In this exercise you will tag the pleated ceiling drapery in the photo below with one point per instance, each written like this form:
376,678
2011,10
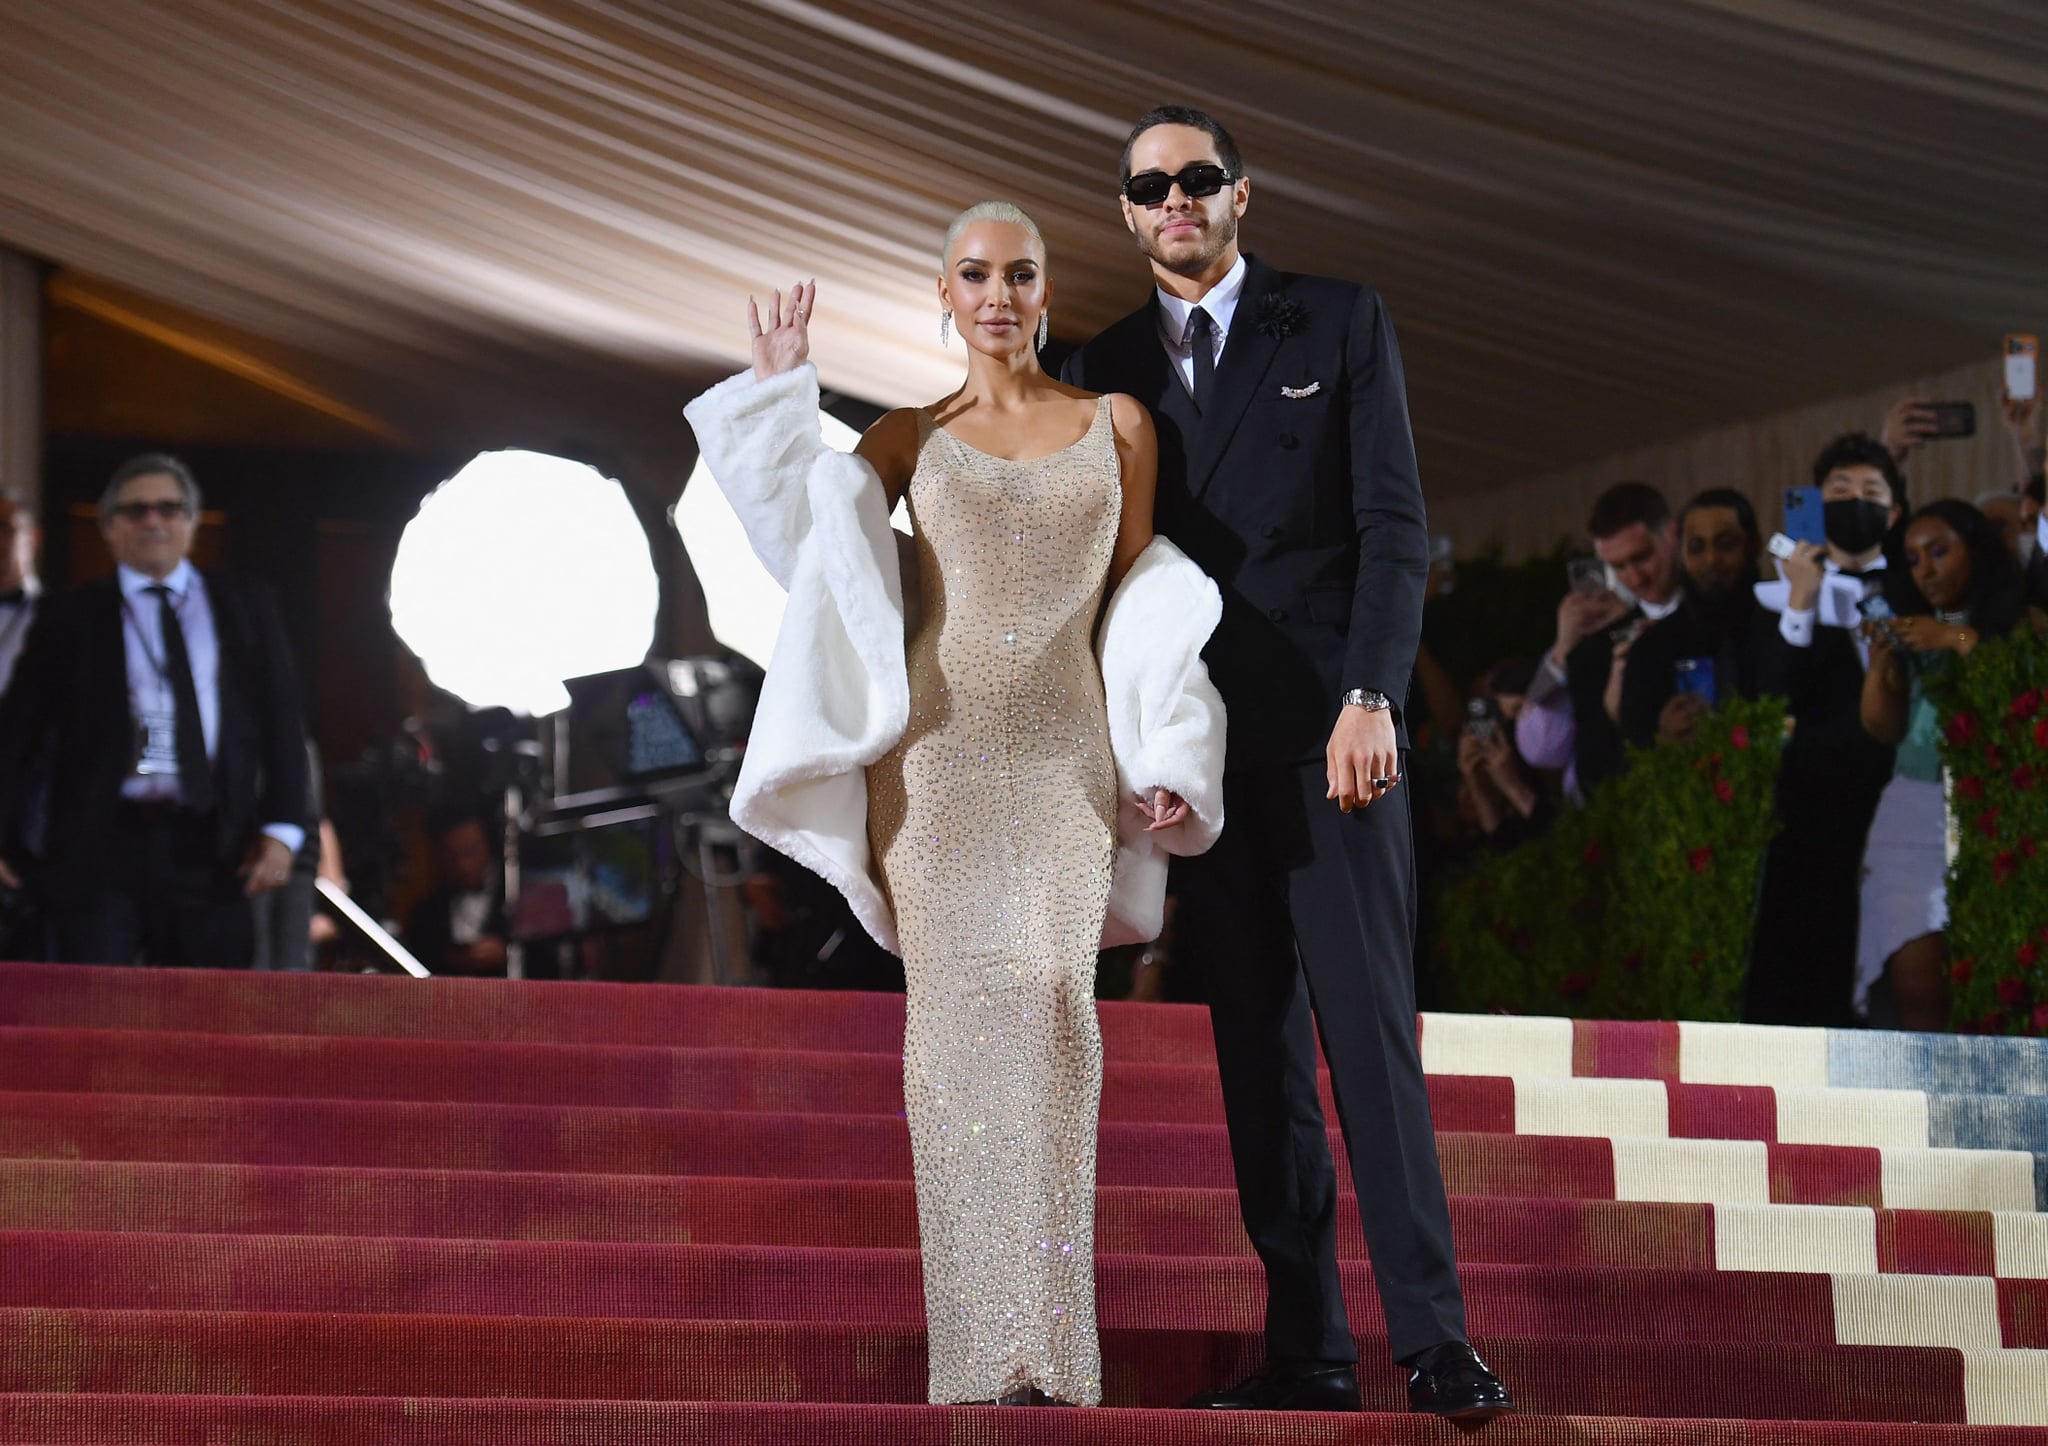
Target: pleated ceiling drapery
1600,224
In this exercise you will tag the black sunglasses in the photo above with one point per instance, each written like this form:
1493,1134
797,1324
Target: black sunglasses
1149,188
136,511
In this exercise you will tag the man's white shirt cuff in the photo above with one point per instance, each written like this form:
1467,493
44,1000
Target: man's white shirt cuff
1795,626
290,835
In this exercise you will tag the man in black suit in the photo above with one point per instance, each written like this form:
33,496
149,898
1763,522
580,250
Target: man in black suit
1287,471
159,704
1803,966
1634,534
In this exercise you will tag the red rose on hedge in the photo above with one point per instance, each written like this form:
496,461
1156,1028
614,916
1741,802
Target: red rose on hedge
2041,1019
2027,954
1987,823
2041,733
1575,984
1993,758
1738,737
2002,867
2011,991
2027,704
1701,858
1970,786
1962,728
1962,969
1724,790
2023,778
2027,846
1593,853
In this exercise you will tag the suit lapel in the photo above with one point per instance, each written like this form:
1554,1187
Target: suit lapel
110,640
1246,355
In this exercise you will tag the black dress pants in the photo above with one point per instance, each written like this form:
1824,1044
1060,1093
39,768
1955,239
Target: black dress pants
1302,918
163,897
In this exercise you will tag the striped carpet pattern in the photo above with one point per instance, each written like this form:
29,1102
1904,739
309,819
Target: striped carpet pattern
316,1208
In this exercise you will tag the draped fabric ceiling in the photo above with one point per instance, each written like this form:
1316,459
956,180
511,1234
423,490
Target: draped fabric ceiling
1599,223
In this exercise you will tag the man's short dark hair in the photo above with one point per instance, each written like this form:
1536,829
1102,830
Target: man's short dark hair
1728,497
149,464
1860,449
1624,505
1183,115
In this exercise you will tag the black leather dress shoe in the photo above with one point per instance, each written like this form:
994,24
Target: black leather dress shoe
1451,1381
1275,1387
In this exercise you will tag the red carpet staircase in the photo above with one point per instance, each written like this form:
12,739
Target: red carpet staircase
335,1210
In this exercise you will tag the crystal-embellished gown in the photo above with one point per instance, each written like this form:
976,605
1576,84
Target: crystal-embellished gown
993,823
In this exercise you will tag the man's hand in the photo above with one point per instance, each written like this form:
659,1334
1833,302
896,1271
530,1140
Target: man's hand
1617,670
1804,569
267,864
1681,716
784,344
1362,760
486,954
8,876
1907,425
1582,614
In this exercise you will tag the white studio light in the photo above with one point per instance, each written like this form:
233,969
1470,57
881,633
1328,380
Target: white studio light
743,601
519,571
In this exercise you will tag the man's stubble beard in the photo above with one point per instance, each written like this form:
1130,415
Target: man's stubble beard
1219,236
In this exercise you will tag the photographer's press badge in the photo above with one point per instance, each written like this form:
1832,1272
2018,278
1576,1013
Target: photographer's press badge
156,739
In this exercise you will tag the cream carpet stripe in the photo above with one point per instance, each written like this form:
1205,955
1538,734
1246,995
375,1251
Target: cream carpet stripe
1852,1117
1958,1179
1693,1171
2006,1388
1918,1310
1802,1238
1752,1054
1497,1044
2022,1244
1615,1108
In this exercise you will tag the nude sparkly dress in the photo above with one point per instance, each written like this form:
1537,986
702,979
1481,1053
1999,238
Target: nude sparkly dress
994,825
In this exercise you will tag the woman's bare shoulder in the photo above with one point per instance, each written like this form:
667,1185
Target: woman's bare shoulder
1131,418
890,445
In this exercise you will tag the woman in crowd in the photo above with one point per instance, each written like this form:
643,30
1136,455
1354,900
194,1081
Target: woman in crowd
989,807
1950,582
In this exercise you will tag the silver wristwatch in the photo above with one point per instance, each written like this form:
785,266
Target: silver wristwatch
1367,699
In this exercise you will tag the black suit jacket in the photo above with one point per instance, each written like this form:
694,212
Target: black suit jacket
1737,642
1596,741
1305,509
66,719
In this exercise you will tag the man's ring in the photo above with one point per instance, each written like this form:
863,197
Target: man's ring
1383,783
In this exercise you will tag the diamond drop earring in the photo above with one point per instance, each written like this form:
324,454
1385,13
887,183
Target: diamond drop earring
1044,328
945,328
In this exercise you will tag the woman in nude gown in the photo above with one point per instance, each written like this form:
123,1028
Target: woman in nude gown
994,819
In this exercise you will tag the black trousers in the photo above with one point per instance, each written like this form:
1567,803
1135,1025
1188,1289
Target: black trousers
1303,918
163,898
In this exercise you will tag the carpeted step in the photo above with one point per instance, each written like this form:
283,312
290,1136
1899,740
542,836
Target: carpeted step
691,1142
354,1274
73,1420
213,1353
312,1200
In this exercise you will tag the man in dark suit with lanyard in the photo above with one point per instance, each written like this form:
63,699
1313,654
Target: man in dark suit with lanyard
1287,471
160,707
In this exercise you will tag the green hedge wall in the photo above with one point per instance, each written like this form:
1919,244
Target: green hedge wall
1639,906
1995,743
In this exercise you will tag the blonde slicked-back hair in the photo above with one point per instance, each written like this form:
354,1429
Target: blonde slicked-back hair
988,211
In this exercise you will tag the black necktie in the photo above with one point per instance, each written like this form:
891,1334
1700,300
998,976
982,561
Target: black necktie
1202,338
195,773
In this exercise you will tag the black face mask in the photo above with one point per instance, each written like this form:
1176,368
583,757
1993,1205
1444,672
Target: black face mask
1855,524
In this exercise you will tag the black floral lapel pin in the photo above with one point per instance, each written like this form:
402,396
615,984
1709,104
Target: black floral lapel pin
1281,316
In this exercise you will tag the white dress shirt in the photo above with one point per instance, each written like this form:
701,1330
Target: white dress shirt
1220,302
149,685
1840,605
16,618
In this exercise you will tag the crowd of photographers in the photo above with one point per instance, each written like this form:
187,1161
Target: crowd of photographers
1843,611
